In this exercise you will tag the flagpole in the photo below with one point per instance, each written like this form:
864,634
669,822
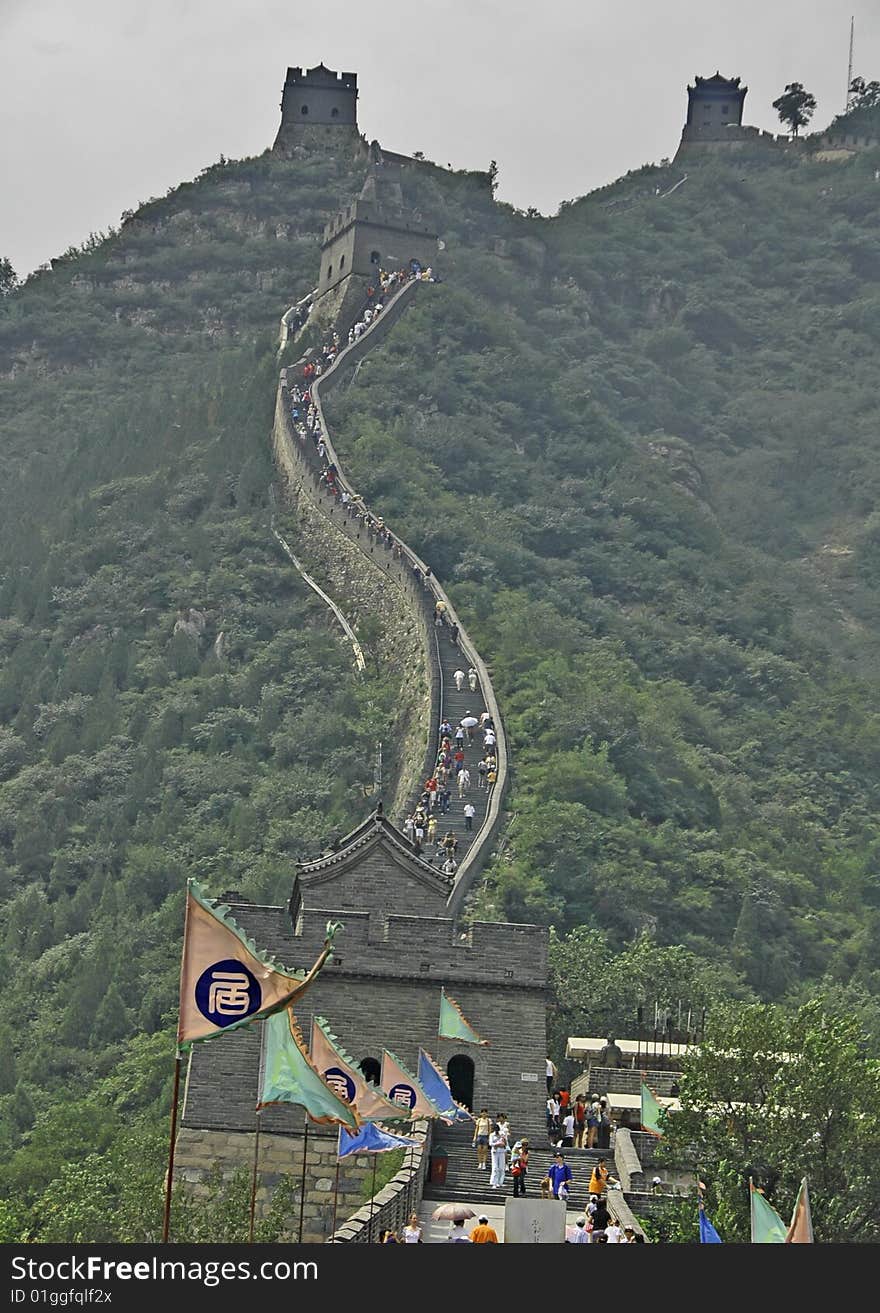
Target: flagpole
372,1200
166,1220
254,1179
169,1182
302,1188
261,1068
335,1194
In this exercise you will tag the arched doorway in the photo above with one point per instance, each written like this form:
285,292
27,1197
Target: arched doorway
372,1069
460,1074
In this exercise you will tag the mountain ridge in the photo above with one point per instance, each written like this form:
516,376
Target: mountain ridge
694,737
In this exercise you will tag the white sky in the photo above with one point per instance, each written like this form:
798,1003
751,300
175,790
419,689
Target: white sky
104,103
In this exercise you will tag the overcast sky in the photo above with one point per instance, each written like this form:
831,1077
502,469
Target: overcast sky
105,103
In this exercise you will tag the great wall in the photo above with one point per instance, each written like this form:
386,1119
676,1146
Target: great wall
385,584
405,929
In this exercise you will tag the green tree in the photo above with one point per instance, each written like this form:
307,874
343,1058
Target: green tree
863,95
112,1020
777,1096
795,106
8,277
597,991
24,1114
8,1066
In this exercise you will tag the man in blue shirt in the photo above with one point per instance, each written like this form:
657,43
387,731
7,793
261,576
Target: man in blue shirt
559,1173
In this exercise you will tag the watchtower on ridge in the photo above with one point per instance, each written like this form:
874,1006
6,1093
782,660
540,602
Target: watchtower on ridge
318,109
714,104
375,230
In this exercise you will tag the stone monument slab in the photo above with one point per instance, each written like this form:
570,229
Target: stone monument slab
534,1222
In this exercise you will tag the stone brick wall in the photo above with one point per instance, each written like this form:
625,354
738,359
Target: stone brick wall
368,585
629,1167
328,139
200,1152
368,888
385,993
478,852
382,989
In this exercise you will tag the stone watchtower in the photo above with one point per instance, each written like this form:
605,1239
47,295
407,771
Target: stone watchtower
318,110
375,231
398,947
714,114
714,104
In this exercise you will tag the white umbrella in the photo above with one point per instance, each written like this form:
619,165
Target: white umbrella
452,1213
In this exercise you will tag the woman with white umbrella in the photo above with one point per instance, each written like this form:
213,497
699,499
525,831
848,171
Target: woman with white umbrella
457,1214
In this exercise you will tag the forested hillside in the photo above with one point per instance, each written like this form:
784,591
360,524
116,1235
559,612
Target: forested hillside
636,442
643,455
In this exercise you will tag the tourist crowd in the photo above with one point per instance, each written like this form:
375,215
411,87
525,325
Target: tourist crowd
454,784
584,1124
457,777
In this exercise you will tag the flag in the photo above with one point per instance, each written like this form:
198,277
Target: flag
288,1076
342,1075
370,1139
224,980
708,1234
651,1111
436,1086
403,1089
768,1227
800,1232
452,1023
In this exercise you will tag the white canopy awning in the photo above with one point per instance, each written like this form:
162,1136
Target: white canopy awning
590,1047
631,1102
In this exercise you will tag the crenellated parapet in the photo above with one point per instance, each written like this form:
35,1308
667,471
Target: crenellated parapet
381,989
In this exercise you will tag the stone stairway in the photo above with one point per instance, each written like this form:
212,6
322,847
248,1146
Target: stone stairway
465,1182
453,706
302,470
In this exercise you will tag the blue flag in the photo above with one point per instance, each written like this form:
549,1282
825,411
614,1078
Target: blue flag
437,1089
708,1234
370,1138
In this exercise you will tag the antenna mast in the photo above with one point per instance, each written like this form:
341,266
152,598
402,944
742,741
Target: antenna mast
849,74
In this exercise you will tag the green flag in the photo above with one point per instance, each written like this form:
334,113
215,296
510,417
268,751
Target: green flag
288,1076
453,1024
768,1227
651,1111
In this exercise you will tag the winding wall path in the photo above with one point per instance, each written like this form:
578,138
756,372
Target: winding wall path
302,469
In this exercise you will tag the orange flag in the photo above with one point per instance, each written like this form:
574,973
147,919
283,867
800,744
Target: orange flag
224,980
346,1078
800,1232
402,1088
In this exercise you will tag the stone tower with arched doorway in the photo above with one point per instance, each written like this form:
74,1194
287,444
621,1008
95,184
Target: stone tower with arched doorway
374,232
381,990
